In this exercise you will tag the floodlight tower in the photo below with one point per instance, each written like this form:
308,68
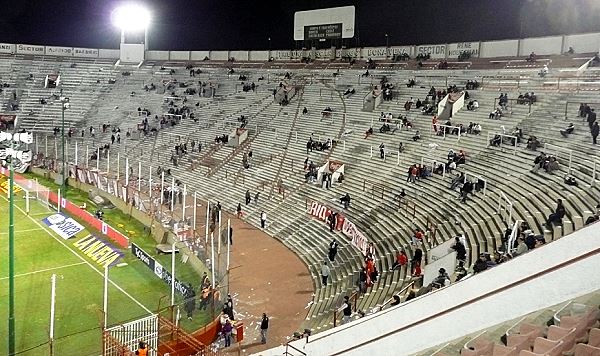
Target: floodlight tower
132,18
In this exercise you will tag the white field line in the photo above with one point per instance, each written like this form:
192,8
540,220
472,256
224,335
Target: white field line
101,273
44,270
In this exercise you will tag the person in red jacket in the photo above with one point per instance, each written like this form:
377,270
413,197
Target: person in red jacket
401,260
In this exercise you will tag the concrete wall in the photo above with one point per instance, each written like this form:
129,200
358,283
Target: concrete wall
219,55
157,55
109,53
179,55
504,48
541,45
583,43
258,55
199,55
566,269
239,55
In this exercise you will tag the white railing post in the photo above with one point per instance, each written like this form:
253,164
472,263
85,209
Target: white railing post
371,156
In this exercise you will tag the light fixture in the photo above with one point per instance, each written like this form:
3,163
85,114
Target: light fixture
131,18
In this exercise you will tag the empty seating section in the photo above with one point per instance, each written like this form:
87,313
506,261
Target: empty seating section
572,330
277,138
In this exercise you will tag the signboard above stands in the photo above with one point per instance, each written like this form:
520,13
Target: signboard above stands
332,23
318,32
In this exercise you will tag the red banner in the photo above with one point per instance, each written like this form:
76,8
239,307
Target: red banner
76,211
357,239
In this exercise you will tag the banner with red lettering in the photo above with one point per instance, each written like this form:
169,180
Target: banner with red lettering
343,224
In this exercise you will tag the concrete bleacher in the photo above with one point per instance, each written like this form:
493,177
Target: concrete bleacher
574,323
278,135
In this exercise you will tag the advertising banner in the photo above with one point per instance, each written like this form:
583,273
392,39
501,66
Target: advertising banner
59,51
7,48
30,49
435,51
64,226
85,52
99,251
455,49
158,269
343,224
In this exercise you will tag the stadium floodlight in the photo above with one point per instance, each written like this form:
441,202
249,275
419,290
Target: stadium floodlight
132,18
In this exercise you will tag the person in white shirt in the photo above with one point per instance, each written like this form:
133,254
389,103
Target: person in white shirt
325,271
263,220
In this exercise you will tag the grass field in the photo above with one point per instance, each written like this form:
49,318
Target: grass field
134,290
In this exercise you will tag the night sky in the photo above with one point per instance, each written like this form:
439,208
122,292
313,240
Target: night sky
246,24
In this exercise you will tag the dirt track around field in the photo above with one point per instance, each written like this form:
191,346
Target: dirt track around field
265,276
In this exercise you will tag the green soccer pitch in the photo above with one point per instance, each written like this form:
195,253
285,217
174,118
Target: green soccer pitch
134,291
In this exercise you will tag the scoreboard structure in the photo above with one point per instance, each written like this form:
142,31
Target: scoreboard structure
324,24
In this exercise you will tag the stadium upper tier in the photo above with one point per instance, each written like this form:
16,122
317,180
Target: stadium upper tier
102,93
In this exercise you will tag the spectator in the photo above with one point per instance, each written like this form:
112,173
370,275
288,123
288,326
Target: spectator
325,271
595,130
401,260
263,220
346,309
567,130
264,327
396,300
461,251
558,214
333,246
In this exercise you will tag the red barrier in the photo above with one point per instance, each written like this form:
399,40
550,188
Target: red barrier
76,211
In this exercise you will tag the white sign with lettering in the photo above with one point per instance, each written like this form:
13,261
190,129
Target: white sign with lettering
383,52
59,51
7,48
85,52
30,49
435,51
455,49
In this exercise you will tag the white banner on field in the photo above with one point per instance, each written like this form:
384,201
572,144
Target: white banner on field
64,226
455,49
59,51
30,49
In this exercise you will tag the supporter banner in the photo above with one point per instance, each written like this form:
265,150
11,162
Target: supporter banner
30,49
383,52
7,48
158,269
99,251
435,51
64,226
85,52
59,51
357,239
455,49
283,55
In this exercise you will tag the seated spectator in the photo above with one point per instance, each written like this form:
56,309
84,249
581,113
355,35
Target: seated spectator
369,132
538,162
496,141
532,57
417,136
567,130
533,143
496,114
551,165
442,280
558,214
304,111
481,264
570,180
401,260
544,71
345,201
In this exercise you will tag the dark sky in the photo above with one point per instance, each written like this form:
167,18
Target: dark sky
246,24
